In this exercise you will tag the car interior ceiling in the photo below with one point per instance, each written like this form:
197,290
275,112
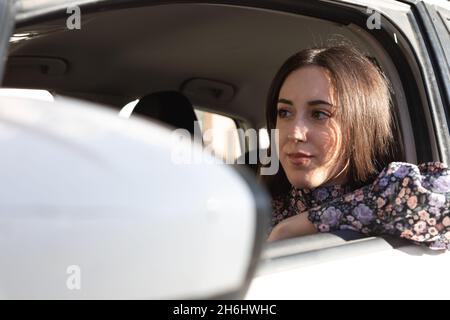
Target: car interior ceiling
231,52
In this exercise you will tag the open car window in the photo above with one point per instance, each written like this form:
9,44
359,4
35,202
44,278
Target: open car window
220,135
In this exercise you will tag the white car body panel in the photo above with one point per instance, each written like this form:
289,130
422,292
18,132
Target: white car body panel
377,271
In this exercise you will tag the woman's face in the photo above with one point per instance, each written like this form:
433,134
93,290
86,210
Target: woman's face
309,135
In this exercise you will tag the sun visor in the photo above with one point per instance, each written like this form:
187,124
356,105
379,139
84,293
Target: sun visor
208,92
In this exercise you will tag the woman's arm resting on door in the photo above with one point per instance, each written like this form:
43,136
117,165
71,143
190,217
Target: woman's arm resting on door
295,226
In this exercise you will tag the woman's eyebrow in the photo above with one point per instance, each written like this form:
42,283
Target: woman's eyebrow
310,103
317,102
285,101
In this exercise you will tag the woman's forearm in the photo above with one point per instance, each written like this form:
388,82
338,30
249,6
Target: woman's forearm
295,226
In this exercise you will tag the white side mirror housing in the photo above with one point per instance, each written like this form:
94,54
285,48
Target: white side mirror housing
92,207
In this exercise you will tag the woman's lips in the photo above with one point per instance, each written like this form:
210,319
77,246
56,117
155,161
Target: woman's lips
299,158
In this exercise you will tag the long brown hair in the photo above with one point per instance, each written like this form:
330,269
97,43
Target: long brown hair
363,109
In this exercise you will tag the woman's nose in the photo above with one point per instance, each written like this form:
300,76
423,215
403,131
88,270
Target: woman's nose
298,132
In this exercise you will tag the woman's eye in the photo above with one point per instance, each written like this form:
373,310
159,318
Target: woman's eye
320,115
282,113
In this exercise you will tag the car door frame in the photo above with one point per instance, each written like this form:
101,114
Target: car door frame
7,21
436,35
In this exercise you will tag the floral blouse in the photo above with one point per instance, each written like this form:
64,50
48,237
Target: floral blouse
405,200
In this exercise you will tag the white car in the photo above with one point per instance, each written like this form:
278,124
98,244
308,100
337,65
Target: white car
94,206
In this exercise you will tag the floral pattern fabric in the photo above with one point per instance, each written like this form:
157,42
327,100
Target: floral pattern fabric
405,200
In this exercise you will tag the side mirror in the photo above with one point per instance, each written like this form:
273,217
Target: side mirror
93,207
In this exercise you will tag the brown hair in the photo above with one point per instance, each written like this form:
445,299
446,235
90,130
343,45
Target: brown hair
363,109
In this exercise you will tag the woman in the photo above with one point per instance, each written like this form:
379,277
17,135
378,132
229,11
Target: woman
332,109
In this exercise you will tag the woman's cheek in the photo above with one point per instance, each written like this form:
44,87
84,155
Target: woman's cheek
280,143
326,143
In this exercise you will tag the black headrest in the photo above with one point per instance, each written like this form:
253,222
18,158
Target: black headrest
170,107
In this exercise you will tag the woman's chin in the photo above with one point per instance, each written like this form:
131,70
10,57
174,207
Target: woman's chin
306,182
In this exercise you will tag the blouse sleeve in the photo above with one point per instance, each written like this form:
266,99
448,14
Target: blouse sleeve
405,200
